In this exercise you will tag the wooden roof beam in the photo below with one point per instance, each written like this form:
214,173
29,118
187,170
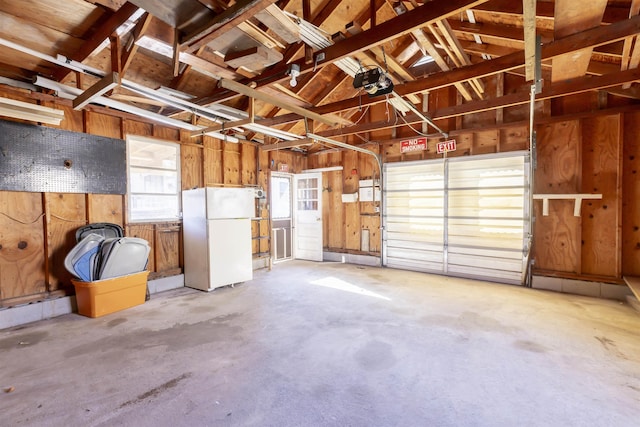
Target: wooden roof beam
529,17
627,59
589,38
382,33
510,35
102,33
553,90
428,48
273,100
136,34
232,17
101,87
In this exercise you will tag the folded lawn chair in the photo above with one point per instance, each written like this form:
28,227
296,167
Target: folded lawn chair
80,261
120,256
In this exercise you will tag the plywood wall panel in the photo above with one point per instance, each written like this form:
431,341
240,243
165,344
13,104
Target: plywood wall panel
212,152
557,236
368,166
571,104
133,127
335,211
73,120
146,232
22,255
391,153
351,210
249,170
514,138
486,142
191,166
601,174
66,212
372,223
464,144
106,208
631,196
167,248
166,133
104,125
232,160
559,158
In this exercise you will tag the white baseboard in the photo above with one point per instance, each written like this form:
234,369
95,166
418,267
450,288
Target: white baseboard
50,308
372,261
582,287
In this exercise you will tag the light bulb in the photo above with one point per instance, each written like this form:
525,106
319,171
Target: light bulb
293,71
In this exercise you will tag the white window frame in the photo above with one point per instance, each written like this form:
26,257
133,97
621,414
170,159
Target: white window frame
132,139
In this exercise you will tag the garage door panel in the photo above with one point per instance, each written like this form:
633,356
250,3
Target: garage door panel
484,214
486,274
434,245
480,261
485,242
511,254
415,255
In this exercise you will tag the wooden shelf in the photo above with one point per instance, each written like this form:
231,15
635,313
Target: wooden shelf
578,198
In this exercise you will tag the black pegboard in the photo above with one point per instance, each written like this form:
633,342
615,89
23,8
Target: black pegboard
42,159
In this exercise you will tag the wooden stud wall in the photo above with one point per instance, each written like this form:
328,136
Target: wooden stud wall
597,155
37,230
631,195
593,153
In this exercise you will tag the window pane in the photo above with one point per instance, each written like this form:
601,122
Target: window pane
153,154
143,207
307,205
280,197
153,181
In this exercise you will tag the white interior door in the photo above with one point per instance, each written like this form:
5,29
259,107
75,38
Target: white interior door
308,216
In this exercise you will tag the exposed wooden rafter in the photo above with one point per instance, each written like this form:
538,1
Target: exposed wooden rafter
232,17
589,38
382,33
554,90
631,50
529,17
98,36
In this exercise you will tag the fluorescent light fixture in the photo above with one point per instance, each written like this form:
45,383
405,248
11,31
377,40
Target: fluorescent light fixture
327,169
28,111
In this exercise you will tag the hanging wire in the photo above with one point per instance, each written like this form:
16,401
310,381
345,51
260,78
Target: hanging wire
411,127
23,222
361,116
384,59
362,138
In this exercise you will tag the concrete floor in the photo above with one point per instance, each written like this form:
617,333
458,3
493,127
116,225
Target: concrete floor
310,344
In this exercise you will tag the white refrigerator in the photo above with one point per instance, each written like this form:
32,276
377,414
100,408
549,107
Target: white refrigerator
217,236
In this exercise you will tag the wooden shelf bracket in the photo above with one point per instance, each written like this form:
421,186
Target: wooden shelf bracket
578,198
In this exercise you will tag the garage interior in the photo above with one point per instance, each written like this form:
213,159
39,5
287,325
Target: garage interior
444,229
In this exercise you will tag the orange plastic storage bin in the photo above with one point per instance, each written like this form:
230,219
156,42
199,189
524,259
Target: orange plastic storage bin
107,296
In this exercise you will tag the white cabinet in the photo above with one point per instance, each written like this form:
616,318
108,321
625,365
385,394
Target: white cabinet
217,236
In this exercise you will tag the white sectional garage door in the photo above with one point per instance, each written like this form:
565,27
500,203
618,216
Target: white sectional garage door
465,216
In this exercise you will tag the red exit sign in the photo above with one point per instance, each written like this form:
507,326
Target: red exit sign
445,146
409,145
